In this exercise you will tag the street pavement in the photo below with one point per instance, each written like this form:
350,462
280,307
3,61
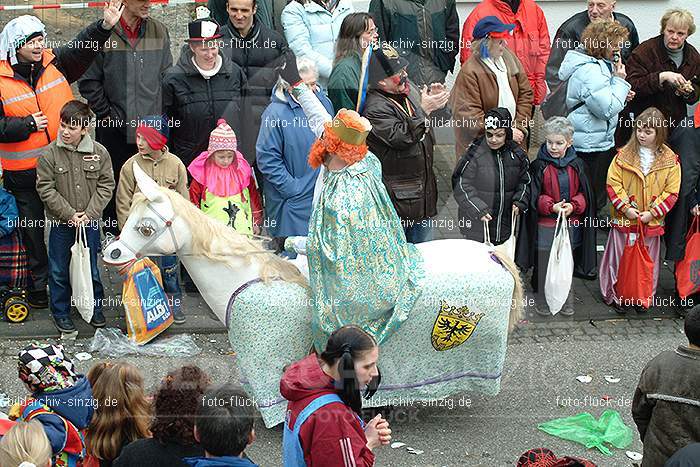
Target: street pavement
539,384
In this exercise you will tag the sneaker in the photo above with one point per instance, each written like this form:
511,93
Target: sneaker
98,319
568,310
619,309
542,310
65,325
178,315
38,298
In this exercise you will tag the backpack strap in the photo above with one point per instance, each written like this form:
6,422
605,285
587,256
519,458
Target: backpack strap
577,106
315,404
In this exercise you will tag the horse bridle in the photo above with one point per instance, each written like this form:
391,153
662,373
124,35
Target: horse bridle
116,253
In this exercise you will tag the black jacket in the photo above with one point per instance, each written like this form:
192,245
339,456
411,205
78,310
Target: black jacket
488,182
585,262
404,145
125,82
196,104
427,31
152,453
685,141
568,37
260,54
71,60
666,404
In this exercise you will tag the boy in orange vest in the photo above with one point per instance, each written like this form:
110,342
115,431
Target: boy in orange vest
34,85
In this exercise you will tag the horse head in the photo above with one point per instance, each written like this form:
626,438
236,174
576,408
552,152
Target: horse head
152,229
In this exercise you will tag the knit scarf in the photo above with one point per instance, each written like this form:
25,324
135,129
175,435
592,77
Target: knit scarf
505,93
206,74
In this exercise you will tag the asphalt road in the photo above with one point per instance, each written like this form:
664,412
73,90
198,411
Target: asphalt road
539,384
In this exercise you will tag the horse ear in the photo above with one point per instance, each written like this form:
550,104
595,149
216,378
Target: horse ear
146,184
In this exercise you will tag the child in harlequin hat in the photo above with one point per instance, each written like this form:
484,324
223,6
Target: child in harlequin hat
168,171
61,399
223,185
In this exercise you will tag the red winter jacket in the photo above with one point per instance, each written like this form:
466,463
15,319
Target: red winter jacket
550,195
530,40
331,436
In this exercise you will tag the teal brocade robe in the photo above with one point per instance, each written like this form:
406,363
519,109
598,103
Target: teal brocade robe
361,269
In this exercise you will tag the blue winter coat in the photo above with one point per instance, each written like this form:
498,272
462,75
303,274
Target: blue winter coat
8,213
282,151
312,31
590,80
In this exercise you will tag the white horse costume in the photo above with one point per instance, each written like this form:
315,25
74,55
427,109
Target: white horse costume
454,340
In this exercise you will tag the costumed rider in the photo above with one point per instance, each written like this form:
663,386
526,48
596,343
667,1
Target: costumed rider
361,269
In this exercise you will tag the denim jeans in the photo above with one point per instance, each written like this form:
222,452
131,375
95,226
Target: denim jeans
61,239
419,232
170,272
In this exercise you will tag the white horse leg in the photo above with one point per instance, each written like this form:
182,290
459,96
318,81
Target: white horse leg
269,328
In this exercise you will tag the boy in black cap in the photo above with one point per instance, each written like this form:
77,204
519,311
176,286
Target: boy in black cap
491,182
402,139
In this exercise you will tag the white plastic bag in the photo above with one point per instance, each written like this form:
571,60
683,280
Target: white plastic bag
560,268
508,247
81,275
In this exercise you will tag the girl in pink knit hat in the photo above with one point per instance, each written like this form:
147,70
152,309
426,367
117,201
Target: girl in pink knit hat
223,185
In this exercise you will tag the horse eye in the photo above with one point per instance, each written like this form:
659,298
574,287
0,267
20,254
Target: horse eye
146,230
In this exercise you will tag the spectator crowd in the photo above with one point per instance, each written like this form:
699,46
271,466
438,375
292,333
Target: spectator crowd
221,126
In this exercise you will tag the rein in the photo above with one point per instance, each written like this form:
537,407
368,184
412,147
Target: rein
169,227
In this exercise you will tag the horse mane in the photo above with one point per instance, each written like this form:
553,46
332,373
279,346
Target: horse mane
219,242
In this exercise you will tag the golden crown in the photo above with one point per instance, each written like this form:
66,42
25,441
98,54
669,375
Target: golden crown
462,313
348,134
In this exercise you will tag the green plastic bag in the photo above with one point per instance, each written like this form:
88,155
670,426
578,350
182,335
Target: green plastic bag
585,429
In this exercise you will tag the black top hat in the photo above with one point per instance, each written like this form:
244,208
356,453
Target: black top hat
203,29
385,62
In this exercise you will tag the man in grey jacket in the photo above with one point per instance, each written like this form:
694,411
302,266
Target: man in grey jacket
666,405
124,84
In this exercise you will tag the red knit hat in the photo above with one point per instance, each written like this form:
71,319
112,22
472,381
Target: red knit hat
223,138
154,129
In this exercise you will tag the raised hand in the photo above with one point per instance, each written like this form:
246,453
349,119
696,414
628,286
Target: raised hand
112,13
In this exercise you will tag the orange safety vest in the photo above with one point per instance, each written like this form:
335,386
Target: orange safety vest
18,98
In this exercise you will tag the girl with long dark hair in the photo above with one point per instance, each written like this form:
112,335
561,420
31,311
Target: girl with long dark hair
324,391
357,32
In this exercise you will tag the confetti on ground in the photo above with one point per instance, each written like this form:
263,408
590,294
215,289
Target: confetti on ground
397,445
635,456
611,379
584,379
82,356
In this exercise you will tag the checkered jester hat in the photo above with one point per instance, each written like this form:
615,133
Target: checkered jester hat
46,368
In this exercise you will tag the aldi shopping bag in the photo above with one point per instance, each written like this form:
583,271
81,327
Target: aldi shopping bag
635,275
560,268
82,294
145,302
688,269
